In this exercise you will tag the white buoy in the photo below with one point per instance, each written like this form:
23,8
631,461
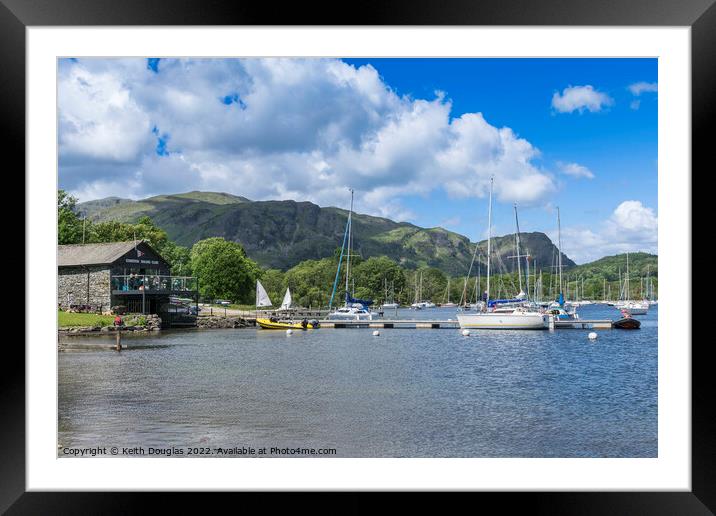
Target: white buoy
376,333
592,335
465,333
289,332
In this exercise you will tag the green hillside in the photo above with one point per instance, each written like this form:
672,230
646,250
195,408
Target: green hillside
610,267
281,234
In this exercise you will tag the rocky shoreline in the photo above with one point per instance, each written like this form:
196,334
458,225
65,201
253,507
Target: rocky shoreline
154,323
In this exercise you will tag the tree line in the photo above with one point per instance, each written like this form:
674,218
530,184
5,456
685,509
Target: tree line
226,272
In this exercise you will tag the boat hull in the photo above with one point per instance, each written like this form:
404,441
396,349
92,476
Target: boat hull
627,323
514,321
350,316
267,324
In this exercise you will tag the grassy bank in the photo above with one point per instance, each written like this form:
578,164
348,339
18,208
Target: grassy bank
68,319
246,308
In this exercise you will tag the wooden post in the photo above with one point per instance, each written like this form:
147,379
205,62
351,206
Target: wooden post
118,346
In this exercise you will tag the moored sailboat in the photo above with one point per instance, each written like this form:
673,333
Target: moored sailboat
492,319
447,303
353,309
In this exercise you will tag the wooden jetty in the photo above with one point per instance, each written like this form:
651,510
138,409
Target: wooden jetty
454,324
392,323
583,324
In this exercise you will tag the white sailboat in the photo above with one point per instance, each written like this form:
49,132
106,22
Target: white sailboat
286,303
262,298
392,304
489,319
448,304
419,303
631,306
353,309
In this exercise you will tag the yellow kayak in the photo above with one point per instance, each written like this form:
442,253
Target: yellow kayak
268,324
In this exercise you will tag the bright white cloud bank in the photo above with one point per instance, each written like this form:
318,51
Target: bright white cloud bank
279,129
631,227
580,98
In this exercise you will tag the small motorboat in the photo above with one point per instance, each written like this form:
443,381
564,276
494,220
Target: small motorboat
275,324
626,323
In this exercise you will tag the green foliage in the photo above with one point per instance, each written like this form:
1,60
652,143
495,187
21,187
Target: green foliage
311,282
179,258
224,271
69,226
434,284
372,276
114,231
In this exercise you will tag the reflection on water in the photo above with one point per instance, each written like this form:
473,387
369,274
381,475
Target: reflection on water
406,393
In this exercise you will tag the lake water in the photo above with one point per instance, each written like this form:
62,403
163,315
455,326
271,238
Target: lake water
406,393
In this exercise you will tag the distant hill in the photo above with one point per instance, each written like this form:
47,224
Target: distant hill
610,267
280,234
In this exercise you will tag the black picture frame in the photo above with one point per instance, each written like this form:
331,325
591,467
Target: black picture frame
700,15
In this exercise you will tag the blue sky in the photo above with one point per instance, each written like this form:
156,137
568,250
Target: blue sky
417,138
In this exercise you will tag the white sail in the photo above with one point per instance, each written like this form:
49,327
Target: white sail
286,300
262,298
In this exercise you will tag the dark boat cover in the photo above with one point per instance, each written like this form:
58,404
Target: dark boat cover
627,323
364,302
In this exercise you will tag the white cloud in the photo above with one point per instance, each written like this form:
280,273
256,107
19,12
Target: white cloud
638,88
641,87
277,129
575,170
99,120
631,227
633,216
579,98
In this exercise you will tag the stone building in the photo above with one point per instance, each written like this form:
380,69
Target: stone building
124,276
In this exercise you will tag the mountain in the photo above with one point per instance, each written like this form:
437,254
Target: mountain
280,234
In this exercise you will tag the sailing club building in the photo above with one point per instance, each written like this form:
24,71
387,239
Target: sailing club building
128,277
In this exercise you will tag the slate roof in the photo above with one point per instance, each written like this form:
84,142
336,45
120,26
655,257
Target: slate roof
93,254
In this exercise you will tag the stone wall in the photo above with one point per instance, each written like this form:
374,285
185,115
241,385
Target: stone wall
85,286
223,322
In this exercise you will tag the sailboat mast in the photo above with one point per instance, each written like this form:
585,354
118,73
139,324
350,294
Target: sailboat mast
421,286
626,281
489,238
517,249
350,236
559,242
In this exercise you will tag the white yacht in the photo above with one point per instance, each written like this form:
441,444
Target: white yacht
500,318
356,312
634,307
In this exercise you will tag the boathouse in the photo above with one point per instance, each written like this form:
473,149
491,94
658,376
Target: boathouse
125,277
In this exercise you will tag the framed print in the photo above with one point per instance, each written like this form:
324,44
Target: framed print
436,250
